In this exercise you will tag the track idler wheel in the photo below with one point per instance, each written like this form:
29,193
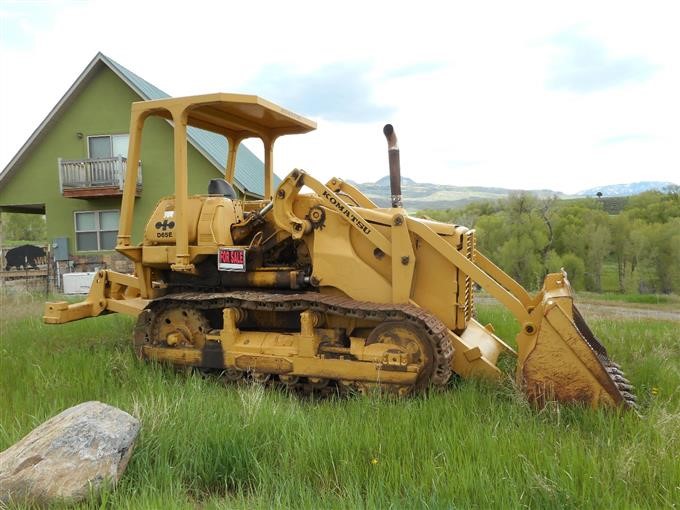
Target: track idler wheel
174,326
179,326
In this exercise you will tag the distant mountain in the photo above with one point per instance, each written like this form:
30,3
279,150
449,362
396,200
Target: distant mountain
623,190
418,195
385,181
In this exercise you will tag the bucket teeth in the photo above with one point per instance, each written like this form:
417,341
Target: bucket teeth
614,371
629,397
625,389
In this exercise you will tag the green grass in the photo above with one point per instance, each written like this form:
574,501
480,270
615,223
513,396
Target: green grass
473,446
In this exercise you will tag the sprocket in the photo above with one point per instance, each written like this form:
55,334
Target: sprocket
179,326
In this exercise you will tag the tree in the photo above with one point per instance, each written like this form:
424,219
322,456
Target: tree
598,247
654,206
660,258
571,221
490,233
519,257
517,238
673,232
620,235
24,227
528,237
547,255
575,269
552,262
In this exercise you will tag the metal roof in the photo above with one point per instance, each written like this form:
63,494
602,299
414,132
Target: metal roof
249,173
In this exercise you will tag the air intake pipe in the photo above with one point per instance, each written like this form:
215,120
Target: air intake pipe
395,165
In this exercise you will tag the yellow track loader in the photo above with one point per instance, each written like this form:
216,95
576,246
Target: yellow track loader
315,287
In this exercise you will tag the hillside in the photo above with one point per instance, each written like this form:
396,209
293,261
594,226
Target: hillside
628,189
419,195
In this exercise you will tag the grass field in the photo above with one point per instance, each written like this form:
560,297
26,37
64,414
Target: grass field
473,446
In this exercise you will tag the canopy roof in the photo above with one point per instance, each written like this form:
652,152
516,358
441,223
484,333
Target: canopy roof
236,116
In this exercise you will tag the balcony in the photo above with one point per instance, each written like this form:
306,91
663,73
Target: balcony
85,178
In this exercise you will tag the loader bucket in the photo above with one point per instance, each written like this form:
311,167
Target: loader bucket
562,360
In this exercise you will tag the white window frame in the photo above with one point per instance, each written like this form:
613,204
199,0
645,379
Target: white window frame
110,137
98,228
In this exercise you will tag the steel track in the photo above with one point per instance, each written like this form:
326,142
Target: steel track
435,330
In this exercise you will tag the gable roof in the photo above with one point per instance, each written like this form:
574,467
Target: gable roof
249,175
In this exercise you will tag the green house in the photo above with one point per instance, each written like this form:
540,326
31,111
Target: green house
72,167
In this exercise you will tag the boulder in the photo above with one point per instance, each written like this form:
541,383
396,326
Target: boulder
68,457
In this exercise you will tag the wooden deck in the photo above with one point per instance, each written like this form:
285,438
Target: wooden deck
102,177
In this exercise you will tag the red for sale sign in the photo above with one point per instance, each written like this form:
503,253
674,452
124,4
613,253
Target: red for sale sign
231,259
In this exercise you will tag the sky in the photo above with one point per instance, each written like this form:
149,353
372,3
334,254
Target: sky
524,95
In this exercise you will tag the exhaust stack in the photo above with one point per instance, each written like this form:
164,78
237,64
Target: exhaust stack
395,165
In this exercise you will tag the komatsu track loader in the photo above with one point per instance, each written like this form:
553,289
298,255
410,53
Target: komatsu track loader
316,287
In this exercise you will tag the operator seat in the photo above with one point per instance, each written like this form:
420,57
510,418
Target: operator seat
221,187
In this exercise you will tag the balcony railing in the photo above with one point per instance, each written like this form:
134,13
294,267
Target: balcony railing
94,177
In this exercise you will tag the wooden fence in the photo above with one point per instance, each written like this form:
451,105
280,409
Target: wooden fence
39,279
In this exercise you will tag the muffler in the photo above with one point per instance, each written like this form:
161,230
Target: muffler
395,165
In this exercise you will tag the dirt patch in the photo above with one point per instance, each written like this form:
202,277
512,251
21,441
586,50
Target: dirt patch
602,311
607,310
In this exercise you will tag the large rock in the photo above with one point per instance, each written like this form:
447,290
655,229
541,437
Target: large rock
69,456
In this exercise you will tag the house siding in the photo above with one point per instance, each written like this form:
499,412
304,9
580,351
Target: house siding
101,107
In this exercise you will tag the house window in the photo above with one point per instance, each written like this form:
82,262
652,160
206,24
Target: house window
96,230
107,146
